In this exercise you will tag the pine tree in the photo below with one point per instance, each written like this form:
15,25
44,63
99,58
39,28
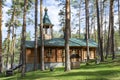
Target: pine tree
23,39
0,35
67,36
36,41
42,39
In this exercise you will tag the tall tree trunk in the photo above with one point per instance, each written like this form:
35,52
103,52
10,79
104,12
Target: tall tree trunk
12,45
87,28
69,13
20,55
8,39
99,35
110,42
108,47
112,28
105,33
42,39
0,35
23,39
119,15
101,31
36,41
67,31
8,46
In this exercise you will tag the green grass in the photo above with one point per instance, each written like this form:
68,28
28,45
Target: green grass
108,70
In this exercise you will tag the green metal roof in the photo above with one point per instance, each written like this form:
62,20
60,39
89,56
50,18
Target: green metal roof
29,44
60,42
46,19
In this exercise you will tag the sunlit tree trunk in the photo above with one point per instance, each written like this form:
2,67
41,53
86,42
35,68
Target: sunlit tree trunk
8,46
42,39
23,39
87,28
36,41
0,35
12,45
9,52
67,31
69,13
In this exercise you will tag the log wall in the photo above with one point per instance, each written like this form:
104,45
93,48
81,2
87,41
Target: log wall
57,54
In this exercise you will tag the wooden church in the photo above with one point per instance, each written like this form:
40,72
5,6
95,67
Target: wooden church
54,51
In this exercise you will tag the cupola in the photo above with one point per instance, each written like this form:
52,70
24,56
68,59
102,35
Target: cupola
47,26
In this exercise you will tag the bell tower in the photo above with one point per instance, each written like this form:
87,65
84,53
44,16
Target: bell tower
47,26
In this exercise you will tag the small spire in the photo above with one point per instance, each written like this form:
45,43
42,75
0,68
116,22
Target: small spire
46,19
46,9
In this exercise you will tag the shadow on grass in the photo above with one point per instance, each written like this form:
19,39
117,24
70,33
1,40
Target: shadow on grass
104,75
93,75
102,71
29,76
98,75
101,65
93,66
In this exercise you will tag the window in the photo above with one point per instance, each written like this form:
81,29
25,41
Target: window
73,51
49,52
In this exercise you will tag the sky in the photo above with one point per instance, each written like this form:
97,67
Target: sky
53,10
4,18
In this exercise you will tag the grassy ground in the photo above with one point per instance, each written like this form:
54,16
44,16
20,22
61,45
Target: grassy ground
108,70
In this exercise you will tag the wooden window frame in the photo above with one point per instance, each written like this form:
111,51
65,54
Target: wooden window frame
49,53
